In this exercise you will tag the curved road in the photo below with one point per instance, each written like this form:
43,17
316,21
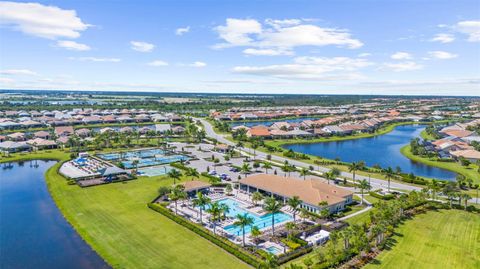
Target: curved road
374,182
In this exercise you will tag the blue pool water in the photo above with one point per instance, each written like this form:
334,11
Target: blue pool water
155,161
274,250
261,222
131,154
383,150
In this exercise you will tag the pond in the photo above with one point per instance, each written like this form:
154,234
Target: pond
383,150
34,233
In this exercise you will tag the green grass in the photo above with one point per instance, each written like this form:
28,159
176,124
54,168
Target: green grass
469,172
115,221
442,239
424,135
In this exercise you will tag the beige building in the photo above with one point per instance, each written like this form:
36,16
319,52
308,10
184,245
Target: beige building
312,192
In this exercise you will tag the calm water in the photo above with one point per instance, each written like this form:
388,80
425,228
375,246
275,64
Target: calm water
383,150
270,122
33,232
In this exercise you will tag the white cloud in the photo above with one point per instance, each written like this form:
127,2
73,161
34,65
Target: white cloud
41,20
181,31
72,45
314,68
281,35
442,55
470,28
142,46
236,32
365,54
6,80
24,72
267,52
403,66
158,63
197,64
95,59
443,38
401,56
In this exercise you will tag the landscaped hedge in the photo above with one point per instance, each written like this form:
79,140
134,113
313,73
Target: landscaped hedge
382,197
219,241
179,165
283,258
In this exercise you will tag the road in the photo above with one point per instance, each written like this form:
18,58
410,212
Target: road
374,182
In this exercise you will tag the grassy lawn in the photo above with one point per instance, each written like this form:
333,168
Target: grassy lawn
469,172
115,221
443,239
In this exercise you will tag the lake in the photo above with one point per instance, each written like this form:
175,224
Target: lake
33,232
383,150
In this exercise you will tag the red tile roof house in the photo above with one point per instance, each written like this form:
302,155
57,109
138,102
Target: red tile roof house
16,137
259,131
41,143
42,134
64,131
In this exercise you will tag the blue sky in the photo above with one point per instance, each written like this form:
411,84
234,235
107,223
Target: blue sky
319,47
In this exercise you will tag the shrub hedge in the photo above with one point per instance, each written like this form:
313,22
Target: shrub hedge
383,197
219,241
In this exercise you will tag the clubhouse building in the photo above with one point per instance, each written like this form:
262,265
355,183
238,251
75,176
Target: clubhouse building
312,192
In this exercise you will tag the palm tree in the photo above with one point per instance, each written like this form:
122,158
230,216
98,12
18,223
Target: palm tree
255,233
192,172
389,174
215,211
286,169
267,166
201,201
257,196
354,167
465,197
294,203
225,210
304,172
175,174
176,194
243,221
364,185
272,206
135,164
270,262
245,169
329,176
290,226
434,188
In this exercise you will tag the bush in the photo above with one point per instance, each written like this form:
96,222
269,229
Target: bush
179,165
219,241
382,197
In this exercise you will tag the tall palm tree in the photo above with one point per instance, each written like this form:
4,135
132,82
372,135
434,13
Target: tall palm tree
215,211
177,193
294,202
255,233
267,166
465,197
175,174
201,201
257,196
272,206
304,172
243,221
225,210
389,175
245,169
353,168
192,172
364,185
434,188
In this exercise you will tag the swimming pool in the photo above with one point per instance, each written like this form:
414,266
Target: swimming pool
154,171
274,250
146,153
261,222
155,161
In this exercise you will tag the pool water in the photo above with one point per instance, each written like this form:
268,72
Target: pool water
274,250
155,161
131,154
154,171
261,222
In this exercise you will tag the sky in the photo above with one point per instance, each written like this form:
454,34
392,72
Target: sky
421,47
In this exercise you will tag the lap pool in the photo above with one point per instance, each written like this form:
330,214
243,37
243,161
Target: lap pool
261,222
